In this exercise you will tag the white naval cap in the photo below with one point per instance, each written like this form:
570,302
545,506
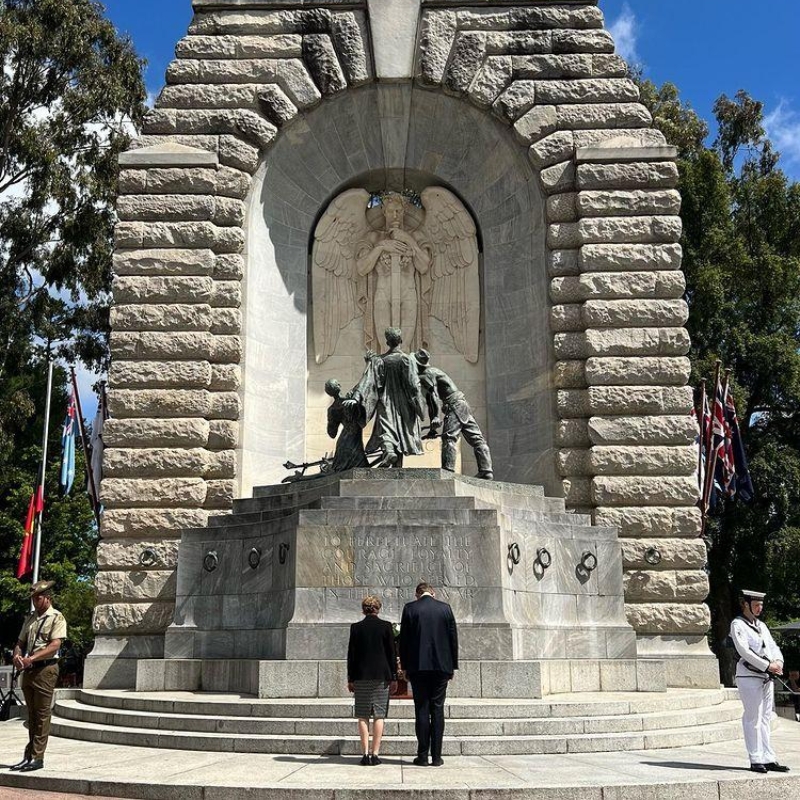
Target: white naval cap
749,594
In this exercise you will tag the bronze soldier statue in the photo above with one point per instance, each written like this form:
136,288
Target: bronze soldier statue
349,453
444,398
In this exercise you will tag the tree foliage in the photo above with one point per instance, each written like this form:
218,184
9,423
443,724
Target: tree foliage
71,95
741,242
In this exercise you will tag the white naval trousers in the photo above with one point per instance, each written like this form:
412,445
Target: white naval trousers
758,699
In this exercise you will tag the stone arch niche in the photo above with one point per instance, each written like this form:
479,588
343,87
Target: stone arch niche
407,138
271,108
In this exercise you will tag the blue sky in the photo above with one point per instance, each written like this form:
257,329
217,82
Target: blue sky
705,47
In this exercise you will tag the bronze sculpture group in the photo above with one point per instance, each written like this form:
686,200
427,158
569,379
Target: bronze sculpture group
396,390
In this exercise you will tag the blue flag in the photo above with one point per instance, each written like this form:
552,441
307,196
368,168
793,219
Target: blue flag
68,447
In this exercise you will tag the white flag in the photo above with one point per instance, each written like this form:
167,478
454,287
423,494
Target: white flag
96,443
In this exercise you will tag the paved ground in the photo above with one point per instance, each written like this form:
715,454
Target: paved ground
715,772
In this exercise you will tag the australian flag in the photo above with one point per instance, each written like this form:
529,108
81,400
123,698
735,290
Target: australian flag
68,447
743,483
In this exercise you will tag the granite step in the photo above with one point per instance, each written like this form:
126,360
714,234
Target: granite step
588,704
395,745
397,727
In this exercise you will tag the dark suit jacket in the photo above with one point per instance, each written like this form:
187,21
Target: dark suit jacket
428,637
371,651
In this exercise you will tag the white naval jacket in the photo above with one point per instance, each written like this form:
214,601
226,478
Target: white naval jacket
755,646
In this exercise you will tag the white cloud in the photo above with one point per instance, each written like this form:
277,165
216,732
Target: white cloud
783,127
625,30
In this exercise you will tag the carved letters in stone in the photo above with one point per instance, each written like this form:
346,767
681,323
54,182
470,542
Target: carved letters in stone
395,260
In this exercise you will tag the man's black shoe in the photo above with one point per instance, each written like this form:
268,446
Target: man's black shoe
758,768
421,761
374,760
20,764
32,765
437,762
774,766
364,760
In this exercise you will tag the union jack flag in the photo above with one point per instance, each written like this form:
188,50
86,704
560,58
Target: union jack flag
743,483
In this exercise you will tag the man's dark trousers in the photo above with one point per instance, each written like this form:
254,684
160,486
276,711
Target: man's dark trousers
430,690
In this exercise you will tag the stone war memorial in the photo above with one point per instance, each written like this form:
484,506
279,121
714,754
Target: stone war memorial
483,177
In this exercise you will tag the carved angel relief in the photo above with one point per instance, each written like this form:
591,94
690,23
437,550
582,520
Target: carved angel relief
395,262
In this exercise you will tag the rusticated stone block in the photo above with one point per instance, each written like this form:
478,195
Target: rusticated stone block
141,493
515,101
618,286
666,618
226,350
573,403
636,175
155,433
228,212
676,554
637,371
666,430
562,208
548,66
227,294
551,149
223,434
164,207
639,313
171,317
644,491
133,586
573,433
592,90
437,34
128,554
469,51
616,139
577,41
131,523
536,17
226,321
638,460
278,46
234,152
630,257
559,178
566,318
685,587
229,266
161,345
490,80
536,123
139,235
644,230
577,491
644,522
225,377
562,262
622,342
164,262
141,618
574,462
173,289
161,375
569,374
602,115
621,400
161,403
220,494
633,203
171,462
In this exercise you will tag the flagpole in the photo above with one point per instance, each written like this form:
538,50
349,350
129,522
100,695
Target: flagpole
710,459
87,461
37,551
701,420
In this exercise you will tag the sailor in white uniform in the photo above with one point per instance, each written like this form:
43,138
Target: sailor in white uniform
759,657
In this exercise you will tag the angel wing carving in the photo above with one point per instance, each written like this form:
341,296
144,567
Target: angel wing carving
455,273
333,272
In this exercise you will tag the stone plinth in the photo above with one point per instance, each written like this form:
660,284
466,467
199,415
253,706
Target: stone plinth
284,575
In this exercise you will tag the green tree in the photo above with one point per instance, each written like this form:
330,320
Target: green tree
71,96
741,241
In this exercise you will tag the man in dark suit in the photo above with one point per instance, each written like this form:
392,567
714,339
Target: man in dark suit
429,656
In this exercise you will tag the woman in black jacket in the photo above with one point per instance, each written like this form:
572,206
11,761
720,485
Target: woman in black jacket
371,674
